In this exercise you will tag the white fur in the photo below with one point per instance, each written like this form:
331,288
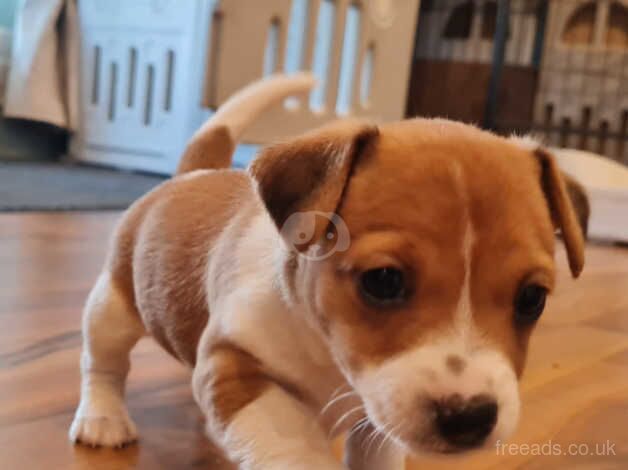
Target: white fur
526,142
278,432
254,315
193,174
463,318
244,107
392,392
109,333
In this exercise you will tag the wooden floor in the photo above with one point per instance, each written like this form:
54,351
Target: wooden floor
575,390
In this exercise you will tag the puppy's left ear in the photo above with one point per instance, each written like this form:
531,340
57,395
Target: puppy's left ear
580,201
563,196
309,174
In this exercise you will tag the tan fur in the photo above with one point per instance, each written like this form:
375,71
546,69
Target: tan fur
580,201
293,175
233,379
516,230
209,150
562,211
160,253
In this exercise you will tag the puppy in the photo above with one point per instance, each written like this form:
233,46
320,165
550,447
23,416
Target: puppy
382,280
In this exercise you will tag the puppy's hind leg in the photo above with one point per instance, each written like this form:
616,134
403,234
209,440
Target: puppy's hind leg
111,327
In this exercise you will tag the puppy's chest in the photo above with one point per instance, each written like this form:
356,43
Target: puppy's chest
258,320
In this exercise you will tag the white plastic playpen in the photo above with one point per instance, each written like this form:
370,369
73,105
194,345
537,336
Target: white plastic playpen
152,70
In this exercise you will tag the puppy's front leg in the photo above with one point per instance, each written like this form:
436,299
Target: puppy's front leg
366,450
260,423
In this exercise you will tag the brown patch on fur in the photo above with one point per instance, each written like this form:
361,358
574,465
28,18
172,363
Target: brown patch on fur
212,149
310,172
234,379
160,253
580,201
562,210
455,364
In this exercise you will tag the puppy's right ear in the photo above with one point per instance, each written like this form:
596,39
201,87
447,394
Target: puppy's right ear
310,173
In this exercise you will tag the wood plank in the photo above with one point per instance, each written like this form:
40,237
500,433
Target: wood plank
575,389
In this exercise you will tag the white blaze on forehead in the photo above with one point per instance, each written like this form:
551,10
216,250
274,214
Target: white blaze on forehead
463,317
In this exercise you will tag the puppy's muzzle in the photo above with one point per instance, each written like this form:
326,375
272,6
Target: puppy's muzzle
464,424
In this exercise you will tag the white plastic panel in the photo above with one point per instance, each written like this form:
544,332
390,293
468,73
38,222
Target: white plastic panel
151,69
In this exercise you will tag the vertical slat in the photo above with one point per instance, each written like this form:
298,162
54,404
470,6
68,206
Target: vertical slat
148,94
271,53
366,78
113,88
603,136
501,36
297,35
324,53
310,42
210,87
169,85
337,38
584,127
348,62
297,31
132,77
96,71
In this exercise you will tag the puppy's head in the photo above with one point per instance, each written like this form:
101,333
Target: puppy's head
429,308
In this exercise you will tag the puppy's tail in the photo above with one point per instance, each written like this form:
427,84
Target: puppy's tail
213,144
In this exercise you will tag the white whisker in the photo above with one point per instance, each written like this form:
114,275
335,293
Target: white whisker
372,437
388,435
335,400
362,424
338,390
343,417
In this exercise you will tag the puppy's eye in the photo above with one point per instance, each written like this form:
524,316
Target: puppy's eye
382,285
529,303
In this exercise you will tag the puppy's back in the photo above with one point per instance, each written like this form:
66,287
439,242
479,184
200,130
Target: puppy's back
161,247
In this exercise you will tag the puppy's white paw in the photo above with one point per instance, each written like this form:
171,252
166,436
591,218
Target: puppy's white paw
113,429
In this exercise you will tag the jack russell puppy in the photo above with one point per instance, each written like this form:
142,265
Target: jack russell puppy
377,279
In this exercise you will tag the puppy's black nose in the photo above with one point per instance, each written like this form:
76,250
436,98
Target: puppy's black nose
466,423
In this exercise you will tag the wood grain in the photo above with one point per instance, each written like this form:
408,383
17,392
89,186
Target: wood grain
575,389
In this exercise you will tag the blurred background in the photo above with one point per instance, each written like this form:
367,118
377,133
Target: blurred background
92,87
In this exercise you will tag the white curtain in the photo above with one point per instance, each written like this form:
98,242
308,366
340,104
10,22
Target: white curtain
43,75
